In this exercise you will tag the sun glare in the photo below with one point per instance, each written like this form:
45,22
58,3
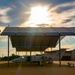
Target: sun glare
39,15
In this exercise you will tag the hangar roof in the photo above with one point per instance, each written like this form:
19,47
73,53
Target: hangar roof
39,31
36,38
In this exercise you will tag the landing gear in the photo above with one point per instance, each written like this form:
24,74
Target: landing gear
50,61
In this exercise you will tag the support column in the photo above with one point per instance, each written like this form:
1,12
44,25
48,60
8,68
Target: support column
26,53
59,51
30,47
8,50
51,50
16,52
30,53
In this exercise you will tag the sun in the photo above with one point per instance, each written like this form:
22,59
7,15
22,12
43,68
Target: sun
39,15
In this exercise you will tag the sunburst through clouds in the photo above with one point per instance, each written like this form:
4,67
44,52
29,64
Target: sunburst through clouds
39,15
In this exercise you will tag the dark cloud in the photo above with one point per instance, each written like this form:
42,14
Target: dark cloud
62,9
61,1
68,20
73,16
56,2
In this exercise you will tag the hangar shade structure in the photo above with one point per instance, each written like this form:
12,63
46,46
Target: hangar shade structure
36,38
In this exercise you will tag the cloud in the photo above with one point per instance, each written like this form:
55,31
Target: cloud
67,42
4,18
63,5
67,11
62,9
73,16
3,52
3,39
4,11
67,20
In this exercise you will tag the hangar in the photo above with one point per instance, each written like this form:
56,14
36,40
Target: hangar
36,38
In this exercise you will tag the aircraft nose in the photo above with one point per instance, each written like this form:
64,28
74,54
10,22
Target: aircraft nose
14,60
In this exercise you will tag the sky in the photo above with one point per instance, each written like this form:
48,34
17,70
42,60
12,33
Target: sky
19,13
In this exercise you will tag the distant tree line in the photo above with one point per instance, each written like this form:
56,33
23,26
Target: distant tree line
13,56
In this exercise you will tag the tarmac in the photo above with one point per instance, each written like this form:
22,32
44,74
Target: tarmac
35,69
